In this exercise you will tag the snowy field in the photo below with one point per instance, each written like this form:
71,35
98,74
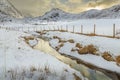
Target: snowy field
103,44
19,61
103,26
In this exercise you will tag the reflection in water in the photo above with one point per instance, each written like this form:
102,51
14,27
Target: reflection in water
89,73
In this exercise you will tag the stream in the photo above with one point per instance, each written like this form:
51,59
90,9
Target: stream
43,45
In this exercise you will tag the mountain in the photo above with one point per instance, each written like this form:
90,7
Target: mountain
6,8
57,14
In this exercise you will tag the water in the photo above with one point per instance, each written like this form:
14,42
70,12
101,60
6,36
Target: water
85,71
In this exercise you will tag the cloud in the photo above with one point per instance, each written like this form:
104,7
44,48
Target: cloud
39,7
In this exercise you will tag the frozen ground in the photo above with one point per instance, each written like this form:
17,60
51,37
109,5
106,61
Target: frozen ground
102,43
16,57
103,26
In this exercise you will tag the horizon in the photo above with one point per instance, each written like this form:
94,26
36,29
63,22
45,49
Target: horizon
40,7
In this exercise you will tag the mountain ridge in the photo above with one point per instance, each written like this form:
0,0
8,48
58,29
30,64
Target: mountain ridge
56,14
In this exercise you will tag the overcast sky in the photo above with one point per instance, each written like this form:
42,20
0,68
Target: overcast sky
39,7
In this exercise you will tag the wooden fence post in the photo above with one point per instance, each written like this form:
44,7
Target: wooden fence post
61,28
94,29
81,29
66,28
53,28
113,30
73,29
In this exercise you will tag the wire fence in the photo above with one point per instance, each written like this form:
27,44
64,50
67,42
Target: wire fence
66,29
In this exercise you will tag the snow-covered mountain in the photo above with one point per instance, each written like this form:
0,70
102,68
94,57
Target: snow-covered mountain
8,10
57,14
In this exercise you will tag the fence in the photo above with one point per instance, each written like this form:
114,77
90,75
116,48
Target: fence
64,29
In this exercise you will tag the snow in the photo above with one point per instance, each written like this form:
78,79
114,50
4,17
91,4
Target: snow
32,42
57,14
16,54
102,43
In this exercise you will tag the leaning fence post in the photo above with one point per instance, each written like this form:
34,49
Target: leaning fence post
94,29
113,30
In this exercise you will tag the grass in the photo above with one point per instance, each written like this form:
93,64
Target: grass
118,60
107,56
78,45
33,73
89,49
71,41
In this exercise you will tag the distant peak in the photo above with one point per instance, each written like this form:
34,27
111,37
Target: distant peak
56,9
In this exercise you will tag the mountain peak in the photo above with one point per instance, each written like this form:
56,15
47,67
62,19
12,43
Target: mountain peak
56,9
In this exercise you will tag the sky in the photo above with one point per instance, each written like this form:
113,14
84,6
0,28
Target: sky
39,7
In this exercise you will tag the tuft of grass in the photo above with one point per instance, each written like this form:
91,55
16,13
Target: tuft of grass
59,46
107,56
32,69
118,60
62,41
90,49
78,45
56,37
71,41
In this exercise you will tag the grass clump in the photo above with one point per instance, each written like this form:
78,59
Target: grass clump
90,49
71,41
107,56
78,45
118,60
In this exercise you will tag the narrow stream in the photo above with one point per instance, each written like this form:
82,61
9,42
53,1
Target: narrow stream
85,71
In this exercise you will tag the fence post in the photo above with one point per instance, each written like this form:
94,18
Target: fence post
94,29
81,29
53,28
61,28
66,28
113,30
73,29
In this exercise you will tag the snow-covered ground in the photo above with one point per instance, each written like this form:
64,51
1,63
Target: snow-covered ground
18,56
103,26
102,43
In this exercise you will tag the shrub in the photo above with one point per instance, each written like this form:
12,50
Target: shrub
90,49
118,60
107,56
71,41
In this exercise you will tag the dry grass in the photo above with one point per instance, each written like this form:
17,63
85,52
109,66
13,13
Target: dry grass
107,56
62,41
56,37
34,73
90,49
29,38
76,77
71,41
91,34
78,45
118,60
57,48
73,49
